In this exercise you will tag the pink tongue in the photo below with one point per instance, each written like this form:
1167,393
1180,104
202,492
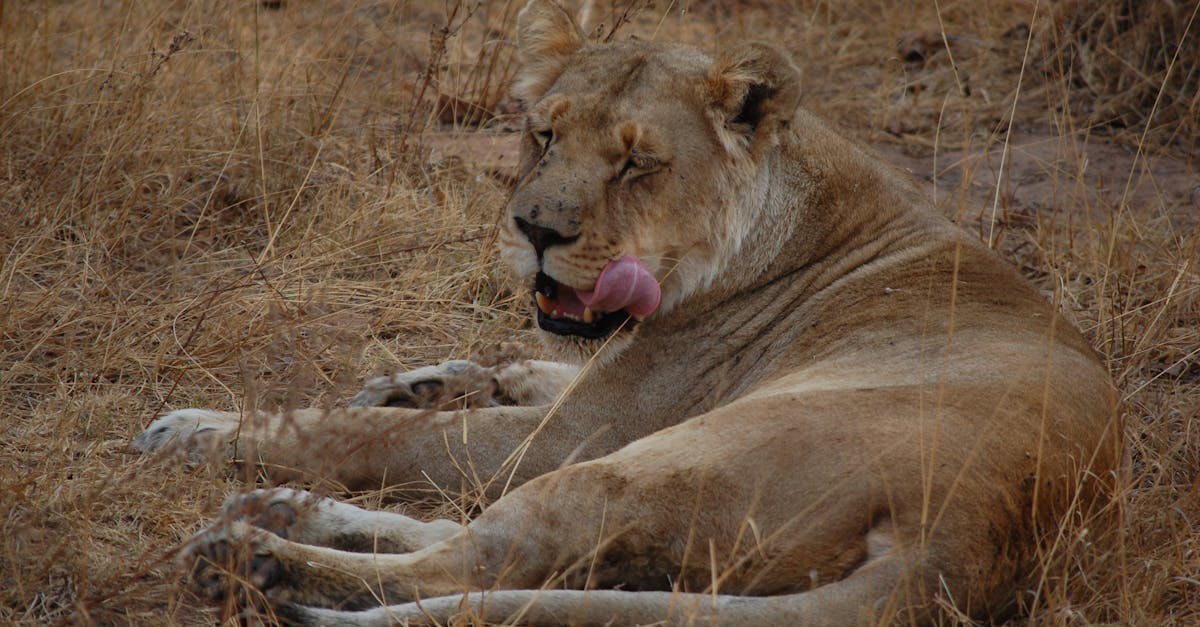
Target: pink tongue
624,284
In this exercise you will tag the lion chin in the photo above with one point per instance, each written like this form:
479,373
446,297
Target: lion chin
809,399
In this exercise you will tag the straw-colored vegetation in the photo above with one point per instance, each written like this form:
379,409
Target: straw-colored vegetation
232,204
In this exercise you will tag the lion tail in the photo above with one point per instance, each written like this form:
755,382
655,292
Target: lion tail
865,597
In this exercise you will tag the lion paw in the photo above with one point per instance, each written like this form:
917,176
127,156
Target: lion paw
229,557
449,385
293,515
199,432
275,510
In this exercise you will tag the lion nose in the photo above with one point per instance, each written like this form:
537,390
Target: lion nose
542,237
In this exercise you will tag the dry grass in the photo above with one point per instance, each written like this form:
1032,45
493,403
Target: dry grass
1133,63
210,203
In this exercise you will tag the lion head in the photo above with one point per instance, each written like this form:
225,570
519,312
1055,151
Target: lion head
644,170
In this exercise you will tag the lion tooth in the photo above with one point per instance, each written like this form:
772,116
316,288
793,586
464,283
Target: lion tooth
588,315
543,303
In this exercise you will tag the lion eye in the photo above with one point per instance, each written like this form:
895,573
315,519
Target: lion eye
543,137
638,165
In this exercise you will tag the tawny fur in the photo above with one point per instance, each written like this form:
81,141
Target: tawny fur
845,409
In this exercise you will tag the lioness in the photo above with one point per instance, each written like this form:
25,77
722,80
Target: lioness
808,398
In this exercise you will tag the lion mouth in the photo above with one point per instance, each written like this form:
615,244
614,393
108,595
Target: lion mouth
624,289
561,311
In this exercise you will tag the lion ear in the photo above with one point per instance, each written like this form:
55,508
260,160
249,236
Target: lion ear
546,38
754,90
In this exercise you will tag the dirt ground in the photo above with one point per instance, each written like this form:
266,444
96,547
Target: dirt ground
242,204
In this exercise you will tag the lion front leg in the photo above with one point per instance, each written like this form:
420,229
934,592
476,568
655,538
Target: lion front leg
370,447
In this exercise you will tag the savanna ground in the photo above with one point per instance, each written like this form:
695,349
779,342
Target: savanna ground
232,204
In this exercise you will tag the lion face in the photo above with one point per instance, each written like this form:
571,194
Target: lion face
637,180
